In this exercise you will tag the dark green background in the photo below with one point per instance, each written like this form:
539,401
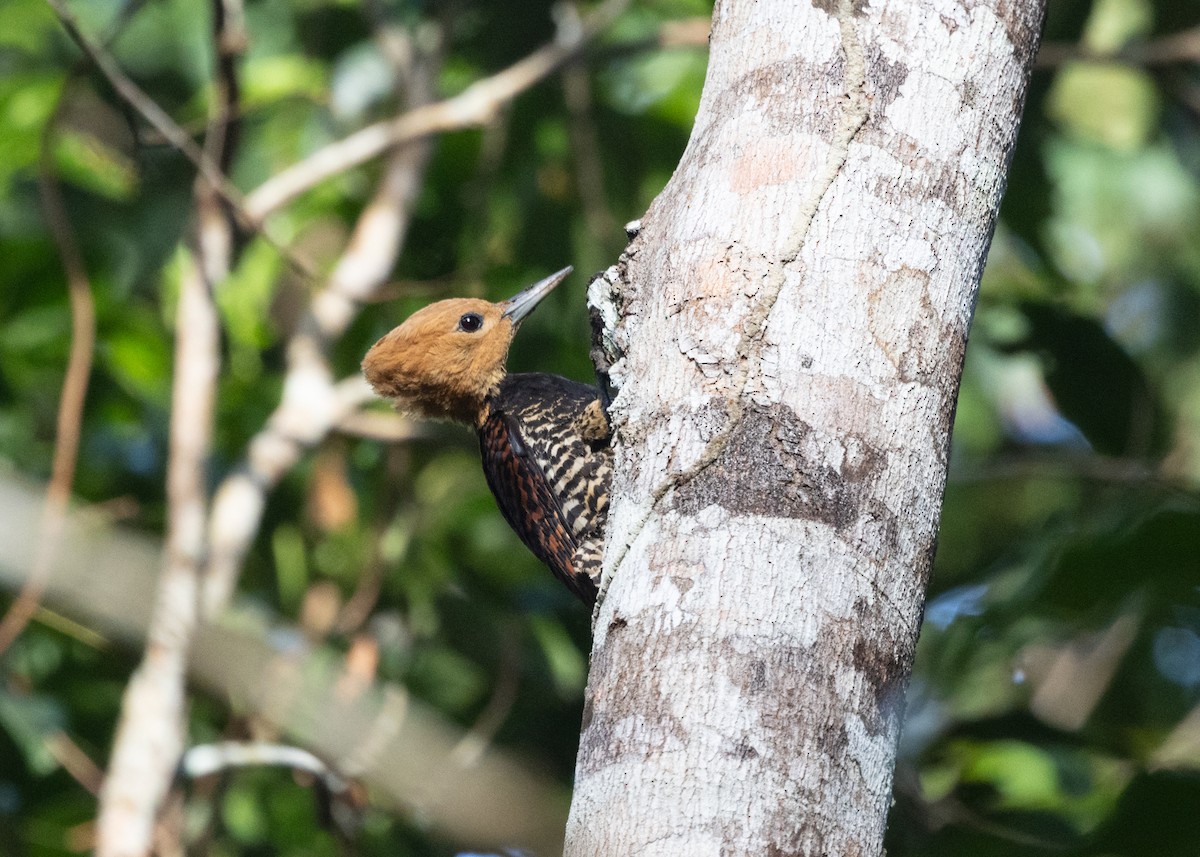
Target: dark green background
1071,530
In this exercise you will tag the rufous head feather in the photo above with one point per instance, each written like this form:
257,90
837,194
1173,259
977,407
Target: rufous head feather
448,358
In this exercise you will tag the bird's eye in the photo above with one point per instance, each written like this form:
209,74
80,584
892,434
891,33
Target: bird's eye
471,322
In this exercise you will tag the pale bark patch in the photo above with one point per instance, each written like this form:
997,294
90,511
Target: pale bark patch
790,342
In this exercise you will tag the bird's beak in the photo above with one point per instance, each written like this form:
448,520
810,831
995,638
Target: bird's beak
522,303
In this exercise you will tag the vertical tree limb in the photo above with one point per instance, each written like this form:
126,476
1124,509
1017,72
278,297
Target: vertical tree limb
793,319
152,729
69,423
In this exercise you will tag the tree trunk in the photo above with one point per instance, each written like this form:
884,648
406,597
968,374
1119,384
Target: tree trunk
792,321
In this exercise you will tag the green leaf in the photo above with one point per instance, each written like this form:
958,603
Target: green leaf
86,161
446,678
28,25
26,102
567,664
291,567
139,356
29,720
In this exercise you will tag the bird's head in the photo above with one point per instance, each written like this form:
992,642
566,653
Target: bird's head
447,358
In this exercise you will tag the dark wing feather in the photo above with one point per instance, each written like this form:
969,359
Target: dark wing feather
549,472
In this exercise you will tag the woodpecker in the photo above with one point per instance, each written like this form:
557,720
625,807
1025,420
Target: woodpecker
544,439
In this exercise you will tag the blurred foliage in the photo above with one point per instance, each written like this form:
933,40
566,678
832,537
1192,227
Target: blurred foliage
1056,702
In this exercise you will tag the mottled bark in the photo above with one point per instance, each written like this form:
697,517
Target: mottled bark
793,318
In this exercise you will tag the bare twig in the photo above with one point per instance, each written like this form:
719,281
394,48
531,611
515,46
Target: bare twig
383,426
1085,467
477,105
334,795
394,43
75,762
229,38
204,760
71,398
1183,46
683,34
201,158
311,407
483,731
133,95
1070,679
361,603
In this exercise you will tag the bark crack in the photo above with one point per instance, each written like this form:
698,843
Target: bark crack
851,119
882,595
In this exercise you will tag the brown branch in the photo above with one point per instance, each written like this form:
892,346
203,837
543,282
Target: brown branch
181,140
477,105
71,398
499,705
72,759
1086,467
135,97
683,34
1180,47
361,603
396,745
230,40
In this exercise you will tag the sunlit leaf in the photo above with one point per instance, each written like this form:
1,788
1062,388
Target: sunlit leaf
87,162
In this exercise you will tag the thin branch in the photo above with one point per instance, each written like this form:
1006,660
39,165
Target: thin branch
477,105
504,694
361,603
334,794
1182,87
204,760
133,95
1086,467
382,426
682,34
71,398
78,764
310,409
181,140
230,40
1180,47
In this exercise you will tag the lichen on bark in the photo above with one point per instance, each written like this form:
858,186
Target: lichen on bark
792,322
